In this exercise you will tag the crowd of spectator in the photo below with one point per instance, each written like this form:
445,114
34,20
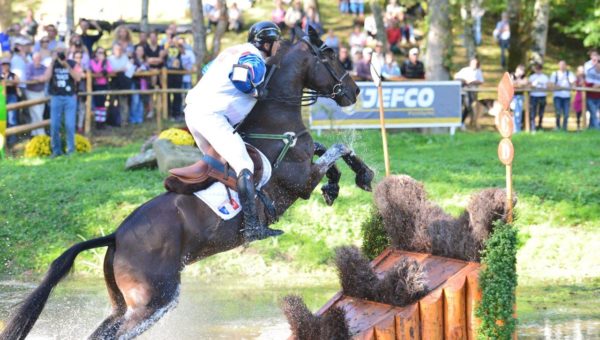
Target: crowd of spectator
560,82
39,63
40,60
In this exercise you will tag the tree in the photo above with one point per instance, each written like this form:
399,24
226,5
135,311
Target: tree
144,19
439,40
221,27
70,17
516,51
378,15
468,21
539,34
6,17
199,34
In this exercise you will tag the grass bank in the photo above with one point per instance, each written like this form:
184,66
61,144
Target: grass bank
49,204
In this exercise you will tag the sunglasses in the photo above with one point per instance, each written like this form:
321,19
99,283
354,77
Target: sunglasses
45,41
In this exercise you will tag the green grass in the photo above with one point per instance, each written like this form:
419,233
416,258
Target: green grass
47,205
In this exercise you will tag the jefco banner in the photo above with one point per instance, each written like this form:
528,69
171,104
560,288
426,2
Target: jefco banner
406,105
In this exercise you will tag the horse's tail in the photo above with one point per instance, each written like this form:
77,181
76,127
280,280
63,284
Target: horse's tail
22,321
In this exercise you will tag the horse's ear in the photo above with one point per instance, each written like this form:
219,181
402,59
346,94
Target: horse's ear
298,33
313,34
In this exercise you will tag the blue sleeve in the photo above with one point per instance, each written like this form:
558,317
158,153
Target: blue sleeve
256,74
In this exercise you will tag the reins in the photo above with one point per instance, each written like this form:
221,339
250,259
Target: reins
307,98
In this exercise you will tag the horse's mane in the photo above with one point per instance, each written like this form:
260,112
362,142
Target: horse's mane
284,47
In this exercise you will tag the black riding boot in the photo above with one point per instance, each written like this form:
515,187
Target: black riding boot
253,228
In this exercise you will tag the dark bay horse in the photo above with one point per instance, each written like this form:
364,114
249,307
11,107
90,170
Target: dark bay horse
148,251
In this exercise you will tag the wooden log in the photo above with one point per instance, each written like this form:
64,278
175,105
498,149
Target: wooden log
386,329
407,324
165,95
26,103
473,299
15,130
454,308
432,316
88,104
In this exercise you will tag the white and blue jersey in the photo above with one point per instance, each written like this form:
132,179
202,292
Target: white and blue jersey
229,84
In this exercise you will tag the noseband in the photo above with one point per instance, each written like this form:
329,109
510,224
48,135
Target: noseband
338,89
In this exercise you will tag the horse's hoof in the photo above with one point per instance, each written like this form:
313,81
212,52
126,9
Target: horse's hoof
364,177
330,192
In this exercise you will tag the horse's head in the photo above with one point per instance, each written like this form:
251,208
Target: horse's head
325,74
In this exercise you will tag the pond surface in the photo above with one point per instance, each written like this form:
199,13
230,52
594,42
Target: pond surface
226,309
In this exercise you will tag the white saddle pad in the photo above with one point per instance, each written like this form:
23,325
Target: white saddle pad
215,196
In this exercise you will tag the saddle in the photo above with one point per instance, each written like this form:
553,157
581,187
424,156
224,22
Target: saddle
207,171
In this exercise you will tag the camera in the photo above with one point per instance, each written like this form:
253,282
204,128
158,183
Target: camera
61,55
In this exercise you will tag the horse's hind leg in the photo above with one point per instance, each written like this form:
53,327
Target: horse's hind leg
332,188
108,328
147,303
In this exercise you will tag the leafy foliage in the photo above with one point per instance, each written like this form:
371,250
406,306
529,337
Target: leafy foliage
498,281
39,146
177,136
374,237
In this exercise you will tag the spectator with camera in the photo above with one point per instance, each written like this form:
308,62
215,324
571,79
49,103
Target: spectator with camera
63,77
87,38
12,80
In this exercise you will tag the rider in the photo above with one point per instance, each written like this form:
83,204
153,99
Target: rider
223,97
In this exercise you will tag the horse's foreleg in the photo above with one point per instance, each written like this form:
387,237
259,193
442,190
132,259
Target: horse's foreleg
364,175
330,190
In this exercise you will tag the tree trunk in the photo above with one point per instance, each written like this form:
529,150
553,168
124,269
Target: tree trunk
439,39
221,28
199,33
144,19
539,34
70,18
6,17
516,51
378,15
468,21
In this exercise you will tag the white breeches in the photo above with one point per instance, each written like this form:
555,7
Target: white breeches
209,128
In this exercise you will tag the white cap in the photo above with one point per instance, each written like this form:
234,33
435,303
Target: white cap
367,50
413,50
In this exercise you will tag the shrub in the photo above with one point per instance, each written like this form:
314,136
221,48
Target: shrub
498,282
177,136
39,146
374,237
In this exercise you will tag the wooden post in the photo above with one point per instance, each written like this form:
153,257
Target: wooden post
526,108
386,156
583,109
509,194
407,323
472,301
165,95
455,324
432,316
88,104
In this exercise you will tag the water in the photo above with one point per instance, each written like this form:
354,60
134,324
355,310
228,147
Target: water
228,309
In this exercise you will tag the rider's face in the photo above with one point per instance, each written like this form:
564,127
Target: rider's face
273,49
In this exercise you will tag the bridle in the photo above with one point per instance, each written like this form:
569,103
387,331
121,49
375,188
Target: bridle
309,97
339,88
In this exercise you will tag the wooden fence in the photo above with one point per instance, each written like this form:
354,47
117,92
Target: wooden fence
526,92
446,312
164,91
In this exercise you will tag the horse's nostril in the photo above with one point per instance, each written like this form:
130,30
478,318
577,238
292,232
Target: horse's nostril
357,91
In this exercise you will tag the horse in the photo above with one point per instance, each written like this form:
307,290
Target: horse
151,247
